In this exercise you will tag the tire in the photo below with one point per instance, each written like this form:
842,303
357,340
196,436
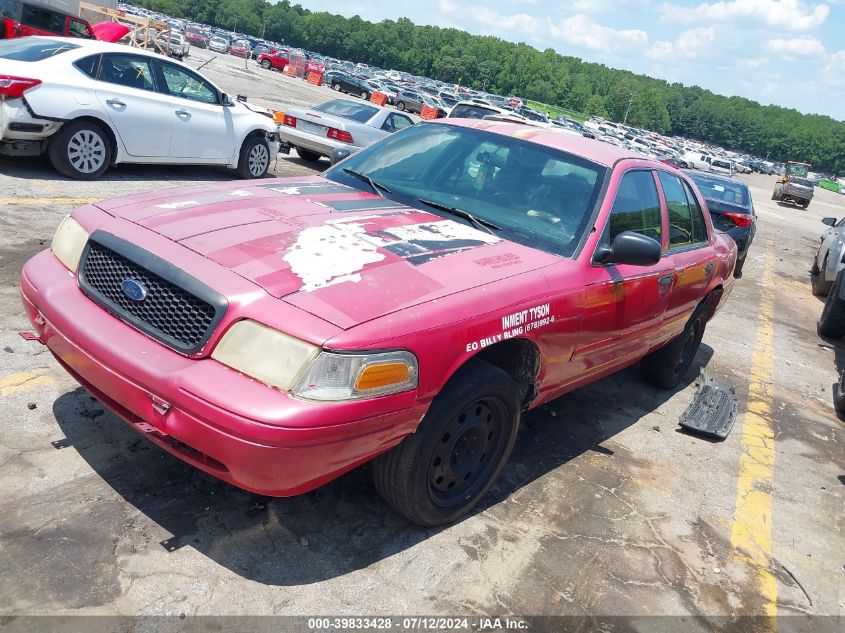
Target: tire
818,285
255,158
80,150
265,64
336,87
805,204
832,321
364,96
478,411
400,106
666,367
305,154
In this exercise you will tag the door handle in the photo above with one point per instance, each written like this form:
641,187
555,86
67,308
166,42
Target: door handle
115,103
183,113
708,267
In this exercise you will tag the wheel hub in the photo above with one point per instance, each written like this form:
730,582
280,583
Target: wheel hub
465,451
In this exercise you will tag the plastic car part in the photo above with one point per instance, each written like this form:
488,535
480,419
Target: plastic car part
713,410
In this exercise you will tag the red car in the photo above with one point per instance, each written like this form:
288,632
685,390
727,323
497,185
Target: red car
21,18
677,163
274,60
406,307
238,49
195,38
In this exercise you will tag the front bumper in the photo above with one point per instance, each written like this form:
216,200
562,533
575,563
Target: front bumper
206,414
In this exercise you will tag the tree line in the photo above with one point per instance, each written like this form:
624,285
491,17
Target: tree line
501,67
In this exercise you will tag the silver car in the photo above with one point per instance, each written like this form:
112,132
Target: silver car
829,257
338,124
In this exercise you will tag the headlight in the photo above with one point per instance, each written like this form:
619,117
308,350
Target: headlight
354,376
291,365
268,355
68,242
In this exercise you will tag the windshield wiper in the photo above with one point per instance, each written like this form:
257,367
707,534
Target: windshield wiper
479,223
364,177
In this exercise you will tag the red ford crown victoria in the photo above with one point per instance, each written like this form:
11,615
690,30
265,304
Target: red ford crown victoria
407,306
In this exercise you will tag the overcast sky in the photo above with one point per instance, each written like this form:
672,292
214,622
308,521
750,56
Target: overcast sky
786,52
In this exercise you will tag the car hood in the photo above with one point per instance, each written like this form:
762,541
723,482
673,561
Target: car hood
344,255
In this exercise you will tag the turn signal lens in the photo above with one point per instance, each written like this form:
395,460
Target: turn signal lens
349,376
382,375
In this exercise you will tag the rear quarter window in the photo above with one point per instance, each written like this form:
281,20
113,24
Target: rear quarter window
26,49
88,65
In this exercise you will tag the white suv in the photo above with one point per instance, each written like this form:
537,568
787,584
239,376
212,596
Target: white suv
90,104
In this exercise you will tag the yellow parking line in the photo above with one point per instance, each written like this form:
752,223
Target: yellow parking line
751,534
46,201
24,381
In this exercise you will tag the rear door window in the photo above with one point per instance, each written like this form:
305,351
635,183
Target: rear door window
636,206
132,71
686,222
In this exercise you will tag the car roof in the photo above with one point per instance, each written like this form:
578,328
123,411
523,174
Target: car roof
83,47
591,149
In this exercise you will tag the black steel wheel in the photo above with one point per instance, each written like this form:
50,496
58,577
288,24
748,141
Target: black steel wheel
469,448
440,472
666,366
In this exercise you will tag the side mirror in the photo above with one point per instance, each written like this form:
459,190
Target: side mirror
630,248
829,221
226,100
338,154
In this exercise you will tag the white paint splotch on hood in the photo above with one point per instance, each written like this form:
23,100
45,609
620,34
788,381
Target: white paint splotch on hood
331,254
338,251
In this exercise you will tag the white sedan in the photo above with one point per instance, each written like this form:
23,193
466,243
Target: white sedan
90,104
338,124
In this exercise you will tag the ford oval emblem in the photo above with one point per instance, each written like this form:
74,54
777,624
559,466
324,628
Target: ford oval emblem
133,290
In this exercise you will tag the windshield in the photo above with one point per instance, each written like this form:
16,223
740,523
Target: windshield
27,49
348,110
538,196
803,181
728,191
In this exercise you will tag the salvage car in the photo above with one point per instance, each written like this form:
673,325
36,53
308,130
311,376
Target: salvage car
405,308
90,104
829,258
344,82
340,123
798,191
275,60
731,210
